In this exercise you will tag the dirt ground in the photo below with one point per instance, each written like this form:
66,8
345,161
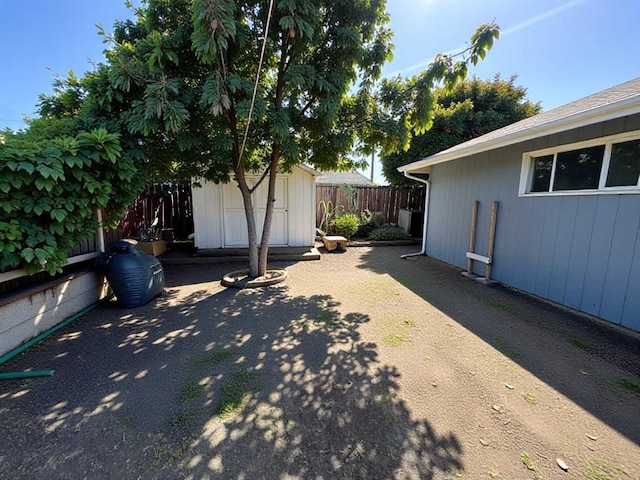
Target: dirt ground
360,365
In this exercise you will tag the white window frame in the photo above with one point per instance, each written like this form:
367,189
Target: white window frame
526,173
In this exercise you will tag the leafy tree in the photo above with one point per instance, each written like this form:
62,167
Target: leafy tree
217,90
472,108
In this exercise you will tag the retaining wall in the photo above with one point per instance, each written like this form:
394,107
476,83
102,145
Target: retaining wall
28,313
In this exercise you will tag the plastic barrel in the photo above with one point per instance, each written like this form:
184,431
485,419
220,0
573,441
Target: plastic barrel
134,276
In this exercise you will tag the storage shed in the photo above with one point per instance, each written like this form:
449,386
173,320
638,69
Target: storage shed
567,183
219,218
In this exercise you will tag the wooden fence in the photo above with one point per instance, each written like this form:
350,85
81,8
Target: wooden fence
388,200
170,202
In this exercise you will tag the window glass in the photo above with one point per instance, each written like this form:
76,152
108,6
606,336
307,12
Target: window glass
624,167
579,169
541,173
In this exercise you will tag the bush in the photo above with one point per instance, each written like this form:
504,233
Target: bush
389,234
50,191
346,225
369,221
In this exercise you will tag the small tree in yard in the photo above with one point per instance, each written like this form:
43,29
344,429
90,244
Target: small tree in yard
219,89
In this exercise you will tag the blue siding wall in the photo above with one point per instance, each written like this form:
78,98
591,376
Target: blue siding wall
580,251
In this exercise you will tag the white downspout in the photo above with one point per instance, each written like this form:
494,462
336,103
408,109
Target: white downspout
425,222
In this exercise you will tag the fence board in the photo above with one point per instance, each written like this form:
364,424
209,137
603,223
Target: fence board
170,202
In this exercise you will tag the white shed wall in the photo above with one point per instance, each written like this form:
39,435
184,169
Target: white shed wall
208,214
302,208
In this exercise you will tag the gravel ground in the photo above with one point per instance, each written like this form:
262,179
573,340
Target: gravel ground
360,365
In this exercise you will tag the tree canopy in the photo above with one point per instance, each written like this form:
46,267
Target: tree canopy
472,108
217,89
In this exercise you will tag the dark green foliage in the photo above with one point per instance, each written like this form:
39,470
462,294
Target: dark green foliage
50,190
345,225
368,222
180,80
388,234
471,109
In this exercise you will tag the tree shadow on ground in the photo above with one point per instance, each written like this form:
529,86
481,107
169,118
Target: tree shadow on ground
559,347
212,383
319,404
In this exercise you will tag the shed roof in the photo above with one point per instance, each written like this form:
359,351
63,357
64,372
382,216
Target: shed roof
340,178
309,170
614,102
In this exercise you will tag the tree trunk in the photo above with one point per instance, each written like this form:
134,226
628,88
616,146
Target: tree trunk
252,233
268,216
266,228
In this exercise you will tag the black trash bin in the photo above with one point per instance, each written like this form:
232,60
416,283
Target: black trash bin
134,276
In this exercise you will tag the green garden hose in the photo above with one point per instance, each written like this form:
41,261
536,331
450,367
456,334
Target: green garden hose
43,373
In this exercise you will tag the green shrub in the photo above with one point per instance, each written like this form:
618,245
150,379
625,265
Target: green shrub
388,234
346,225
369,221
50,190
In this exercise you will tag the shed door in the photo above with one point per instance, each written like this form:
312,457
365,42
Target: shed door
235,224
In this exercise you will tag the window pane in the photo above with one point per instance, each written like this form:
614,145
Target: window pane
541,173
624,168
579,169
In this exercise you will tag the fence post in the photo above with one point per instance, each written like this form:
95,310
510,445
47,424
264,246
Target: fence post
100,231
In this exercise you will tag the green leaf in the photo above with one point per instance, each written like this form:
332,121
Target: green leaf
56,229
27,167
45,171
58,214
40,254
41,183
172,57
28,254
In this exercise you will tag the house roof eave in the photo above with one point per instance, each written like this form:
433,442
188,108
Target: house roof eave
624,107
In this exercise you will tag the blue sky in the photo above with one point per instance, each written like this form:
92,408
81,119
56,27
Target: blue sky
561,49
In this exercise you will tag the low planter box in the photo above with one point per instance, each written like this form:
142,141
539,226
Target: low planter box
25,314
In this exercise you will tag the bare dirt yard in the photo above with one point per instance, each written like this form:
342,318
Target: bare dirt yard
359,366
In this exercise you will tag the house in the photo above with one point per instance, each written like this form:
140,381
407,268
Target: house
353,178
568,191
219,217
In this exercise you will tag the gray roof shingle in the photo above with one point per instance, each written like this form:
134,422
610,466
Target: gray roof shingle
340,178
